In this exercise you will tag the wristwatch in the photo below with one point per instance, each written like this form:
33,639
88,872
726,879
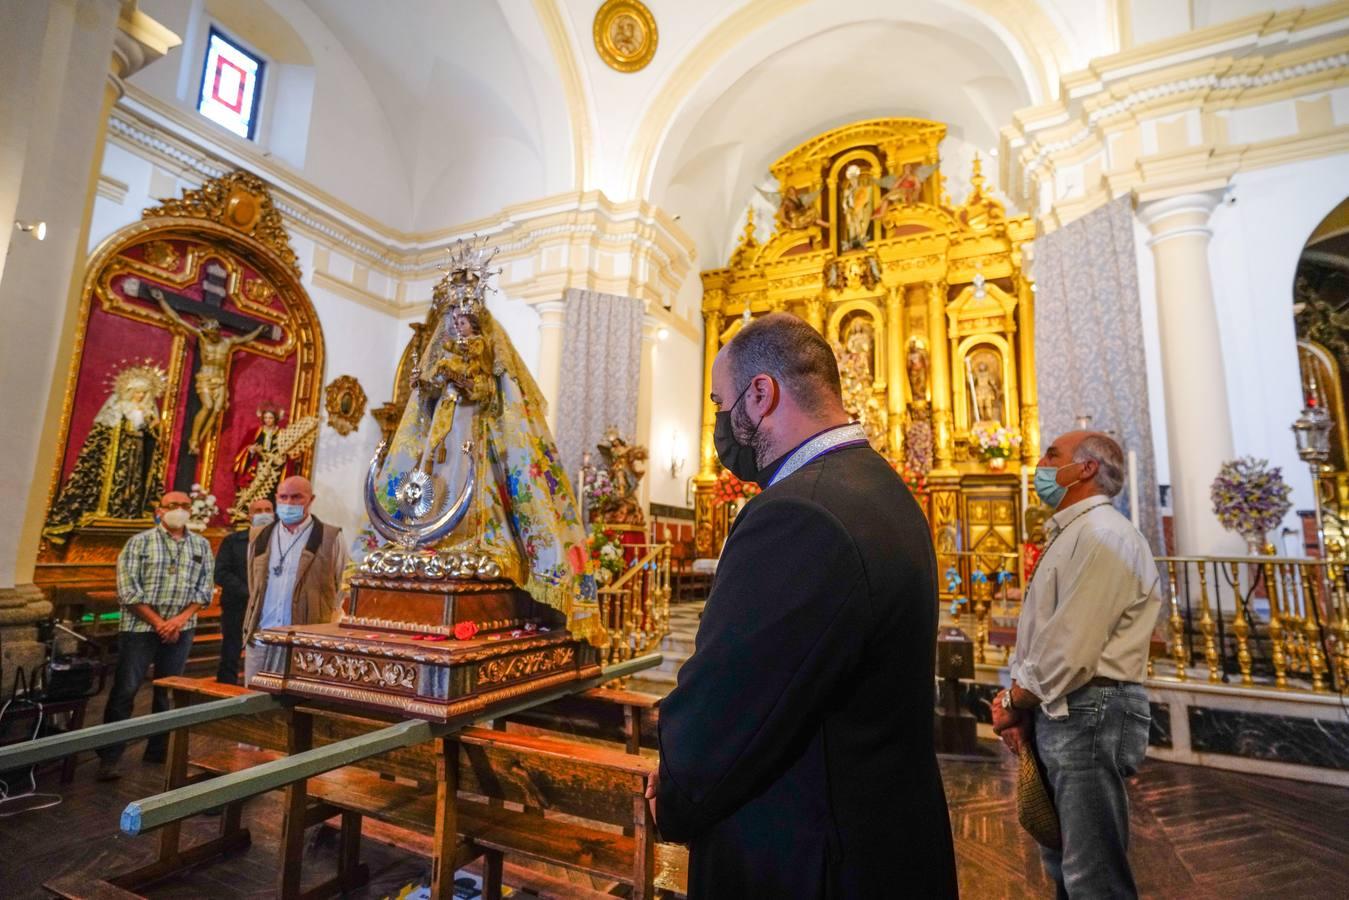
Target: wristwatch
1007,700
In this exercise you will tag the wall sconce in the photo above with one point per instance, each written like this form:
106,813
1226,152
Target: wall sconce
662,333
38,229
677,455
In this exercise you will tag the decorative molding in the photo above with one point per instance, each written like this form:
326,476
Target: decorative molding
110,188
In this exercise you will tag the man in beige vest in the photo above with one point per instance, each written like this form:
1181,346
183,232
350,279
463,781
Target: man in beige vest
295,570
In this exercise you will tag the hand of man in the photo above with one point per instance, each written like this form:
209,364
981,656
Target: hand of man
652,785
167,629
1005,718
1015,736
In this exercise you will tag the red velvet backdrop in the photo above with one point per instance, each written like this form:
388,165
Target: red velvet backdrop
112,339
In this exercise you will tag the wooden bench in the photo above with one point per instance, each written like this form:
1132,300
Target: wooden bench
482,793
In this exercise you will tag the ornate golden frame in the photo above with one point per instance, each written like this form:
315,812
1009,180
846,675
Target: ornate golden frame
614,56
348,389
264,244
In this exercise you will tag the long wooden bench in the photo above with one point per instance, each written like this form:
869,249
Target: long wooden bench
532,796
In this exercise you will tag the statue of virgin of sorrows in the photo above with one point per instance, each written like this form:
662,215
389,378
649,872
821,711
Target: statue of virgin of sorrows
474,400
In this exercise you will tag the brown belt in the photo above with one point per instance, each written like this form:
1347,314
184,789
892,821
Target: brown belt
1102,681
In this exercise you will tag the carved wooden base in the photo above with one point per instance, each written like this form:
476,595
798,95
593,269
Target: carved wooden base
410,666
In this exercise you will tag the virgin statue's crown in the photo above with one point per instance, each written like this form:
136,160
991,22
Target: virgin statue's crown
464,285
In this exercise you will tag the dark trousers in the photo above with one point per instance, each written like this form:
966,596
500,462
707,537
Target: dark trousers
231,638
136,650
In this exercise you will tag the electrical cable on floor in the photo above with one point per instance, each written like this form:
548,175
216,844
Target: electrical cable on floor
32,792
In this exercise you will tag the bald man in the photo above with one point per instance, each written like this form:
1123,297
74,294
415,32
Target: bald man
163,578
1081,656
294,569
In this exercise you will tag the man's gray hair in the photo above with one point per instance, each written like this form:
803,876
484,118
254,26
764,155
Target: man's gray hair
1109,458
796,355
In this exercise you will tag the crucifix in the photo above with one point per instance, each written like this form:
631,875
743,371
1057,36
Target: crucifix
213,347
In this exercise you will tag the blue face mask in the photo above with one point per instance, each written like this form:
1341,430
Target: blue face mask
1047,486
290,513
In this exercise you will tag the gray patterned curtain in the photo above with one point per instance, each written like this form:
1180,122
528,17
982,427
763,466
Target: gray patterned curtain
601,362
1089,343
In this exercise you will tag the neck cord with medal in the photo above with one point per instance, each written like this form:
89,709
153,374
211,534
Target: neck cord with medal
178,551
836,438
281,563
1056,536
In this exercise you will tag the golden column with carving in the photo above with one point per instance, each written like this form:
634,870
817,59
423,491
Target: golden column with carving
815,313
940,378
703,537
1030,409
894,366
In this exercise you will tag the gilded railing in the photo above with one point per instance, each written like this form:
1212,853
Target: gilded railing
635,608
1280,621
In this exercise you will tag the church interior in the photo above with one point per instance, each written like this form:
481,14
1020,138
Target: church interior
464,267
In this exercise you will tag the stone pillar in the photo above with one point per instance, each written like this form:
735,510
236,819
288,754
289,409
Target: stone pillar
61,68
1198,420
551,317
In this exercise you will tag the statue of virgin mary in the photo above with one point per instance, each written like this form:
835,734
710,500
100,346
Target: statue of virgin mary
473,437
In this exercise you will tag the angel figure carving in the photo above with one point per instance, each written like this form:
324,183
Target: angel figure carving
904,188
627,464
796,209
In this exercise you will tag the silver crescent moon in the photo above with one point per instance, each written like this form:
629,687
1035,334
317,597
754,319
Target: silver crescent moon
417,535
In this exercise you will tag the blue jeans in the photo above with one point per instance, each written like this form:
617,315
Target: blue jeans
136,650
1087,756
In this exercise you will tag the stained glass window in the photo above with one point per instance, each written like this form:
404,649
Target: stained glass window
231,83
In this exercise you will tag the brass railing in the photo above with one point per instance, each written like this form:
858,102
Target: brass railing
635,608
1281,621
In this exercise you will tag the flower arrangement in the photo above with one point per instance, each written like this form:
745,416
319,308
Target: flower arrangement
598,487
606,552
914,479
995,441
730,489
203,510
1250,498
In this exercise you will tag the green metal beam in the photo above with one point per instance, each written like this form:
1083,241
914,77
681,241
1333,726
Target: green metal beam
18,756
193,799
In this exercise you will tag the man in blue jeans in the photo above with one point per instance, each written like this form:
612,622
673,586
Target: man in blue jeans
163,578
1081,656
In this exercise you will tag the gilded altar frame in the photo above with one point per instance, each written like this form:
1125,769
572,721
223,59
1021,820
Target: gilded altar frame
945,278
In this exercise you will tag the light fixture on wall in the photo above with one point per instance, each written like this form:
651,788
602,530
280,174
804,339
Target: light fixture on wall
1311,430
677,455
37,229
662,333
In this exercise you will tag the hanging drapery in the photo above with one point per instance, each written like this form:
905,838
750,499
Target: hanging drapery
601,362
1089,343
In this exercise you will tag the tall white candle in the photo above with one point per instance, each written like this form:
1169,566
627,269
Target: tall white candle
1133,488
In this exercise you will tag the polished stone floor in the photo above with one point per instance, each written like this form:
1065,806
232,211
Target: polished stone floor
1198,833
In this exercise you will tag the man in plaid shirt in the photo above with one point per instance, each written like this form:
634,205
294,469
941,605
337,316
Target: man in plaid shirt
163,578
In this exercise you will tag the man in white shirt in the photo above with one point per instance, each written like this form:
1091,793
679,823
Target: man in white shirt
1081,656
295,568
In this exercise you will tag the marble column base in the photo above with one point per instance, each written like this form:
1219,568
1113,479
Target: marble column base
21,608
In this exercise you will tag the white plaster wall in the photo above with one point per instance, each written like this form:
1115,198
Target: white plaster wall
676,415
1254,254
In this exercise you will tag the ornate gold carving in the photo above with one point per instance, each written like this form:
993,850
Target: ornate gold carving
161,255
625,35
356,670
239,200
501,671
345,402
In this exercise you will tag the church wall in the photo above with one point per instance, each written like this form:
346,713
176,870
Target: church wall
1254,254
676,417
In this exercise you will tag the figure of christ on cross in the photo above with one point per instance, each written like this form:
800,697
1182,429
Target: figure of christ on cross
212,382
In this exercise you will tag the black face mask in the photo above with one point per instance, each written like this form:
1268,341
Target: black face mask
738,458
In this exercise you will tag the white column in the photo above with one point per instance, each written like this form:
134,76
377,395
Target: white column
1198,419
551,317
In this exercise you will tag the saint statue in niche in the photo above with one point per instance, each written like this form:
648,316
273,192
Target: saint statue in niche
857,372
265,444
476,413
983,368
212,383
859,199
917,364
119,472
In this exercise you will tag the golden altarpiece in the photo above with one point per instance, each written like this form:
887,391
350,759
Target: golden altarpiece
926,304
197,349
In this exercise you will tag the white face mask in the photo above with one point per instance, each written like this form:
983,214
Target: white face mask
262,520
175,518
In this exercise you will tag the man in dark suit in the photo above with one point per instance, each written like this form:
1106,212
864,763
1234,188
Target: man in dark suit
796,752
231,573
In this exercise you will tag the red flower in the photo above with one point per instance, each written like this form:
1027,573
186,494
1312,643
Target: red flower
465,630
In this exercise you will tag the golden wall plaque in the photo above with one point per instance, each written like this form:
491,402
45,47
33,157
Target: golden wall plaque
625,35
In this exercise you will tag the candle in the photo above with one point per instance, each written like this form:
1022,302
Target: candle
1025,500
1133,488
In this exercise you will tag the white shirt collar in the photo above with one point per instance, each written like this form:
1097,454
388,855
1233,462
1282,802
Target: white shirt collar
1056,522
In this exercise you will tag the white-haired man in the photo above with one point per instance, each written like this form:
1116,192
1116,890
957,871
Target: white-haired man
1081,656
